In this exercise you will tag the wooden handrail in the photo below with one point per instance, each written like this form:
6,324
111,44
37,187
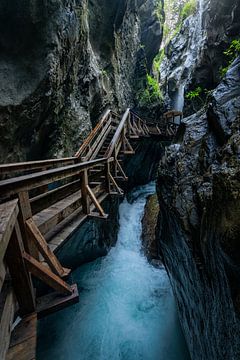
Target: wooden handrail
34,165
117,134
90,137
27,182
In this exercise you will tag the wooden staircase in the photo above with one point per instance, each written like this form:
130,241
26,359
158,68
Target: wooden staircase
41,204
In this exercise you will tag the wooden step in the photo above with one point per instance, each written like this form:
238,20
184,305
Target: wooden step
66,229
53,215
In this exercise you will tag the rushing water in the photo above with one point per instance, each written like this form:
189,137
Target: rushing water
126,309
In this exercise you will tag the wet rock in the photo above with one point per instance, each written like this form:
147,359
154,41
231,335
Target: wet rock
195,56
199,224
62,64
149,224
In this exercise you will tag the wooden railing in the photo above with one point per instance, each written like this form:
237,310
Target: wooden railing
43,202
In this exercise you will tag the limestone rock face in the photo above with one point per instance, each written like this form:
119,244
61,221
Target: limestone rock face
199,223
62,63
195,55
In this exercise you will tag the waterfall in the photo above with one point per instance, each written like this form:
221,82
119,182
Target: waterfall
126,309
189,57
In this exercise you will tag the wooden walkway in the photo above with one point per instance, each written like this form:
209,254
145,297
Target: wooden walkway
41,204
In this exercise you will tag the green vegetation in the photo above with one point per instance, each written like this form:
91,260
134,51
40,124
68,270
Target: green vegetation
188,9
151,94
232,52
158,60
198,97
194,94
159,11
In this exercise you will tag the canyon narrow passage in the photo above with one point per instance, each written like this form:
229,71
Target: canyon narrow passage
126,309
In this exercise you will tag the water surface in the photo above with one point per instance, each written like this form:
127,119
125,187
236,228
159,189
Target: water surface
126,309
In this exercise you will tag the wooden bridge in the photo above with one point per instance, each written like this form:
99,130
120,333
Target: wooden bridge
42,204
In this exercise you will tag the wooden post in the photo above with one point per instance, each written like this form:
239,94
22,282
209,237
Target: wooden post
107,180
85,198
21,279
25,214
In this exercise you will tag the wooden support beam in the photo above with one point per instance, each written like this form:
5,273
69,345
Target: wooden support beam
119,191
96,203
44,249
85,199
47,276
21,280
53,302
121,170
25,214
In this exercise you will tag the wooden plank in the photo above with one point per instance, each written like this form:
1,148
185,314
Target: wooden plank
24,330
59,237
26,182
53,215
45,251
24,340
88,140
20,277
8,215
35,165
7,308
46,275
53,302
101,142
42,201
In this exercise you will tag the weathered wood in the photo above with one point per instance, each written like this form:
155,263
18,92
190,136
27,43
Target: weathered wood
121,170
8,215
26,182
53,215
47,276
3,271
20,277
43,201
101,140
24,339
96,203
7,308
85,198
53,302
34,165
25,214
44,250
92,134
119,191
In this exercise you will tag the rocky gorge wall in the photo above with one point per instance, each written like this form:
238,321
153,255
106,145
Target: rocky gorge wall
199,223
195,54
62,63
